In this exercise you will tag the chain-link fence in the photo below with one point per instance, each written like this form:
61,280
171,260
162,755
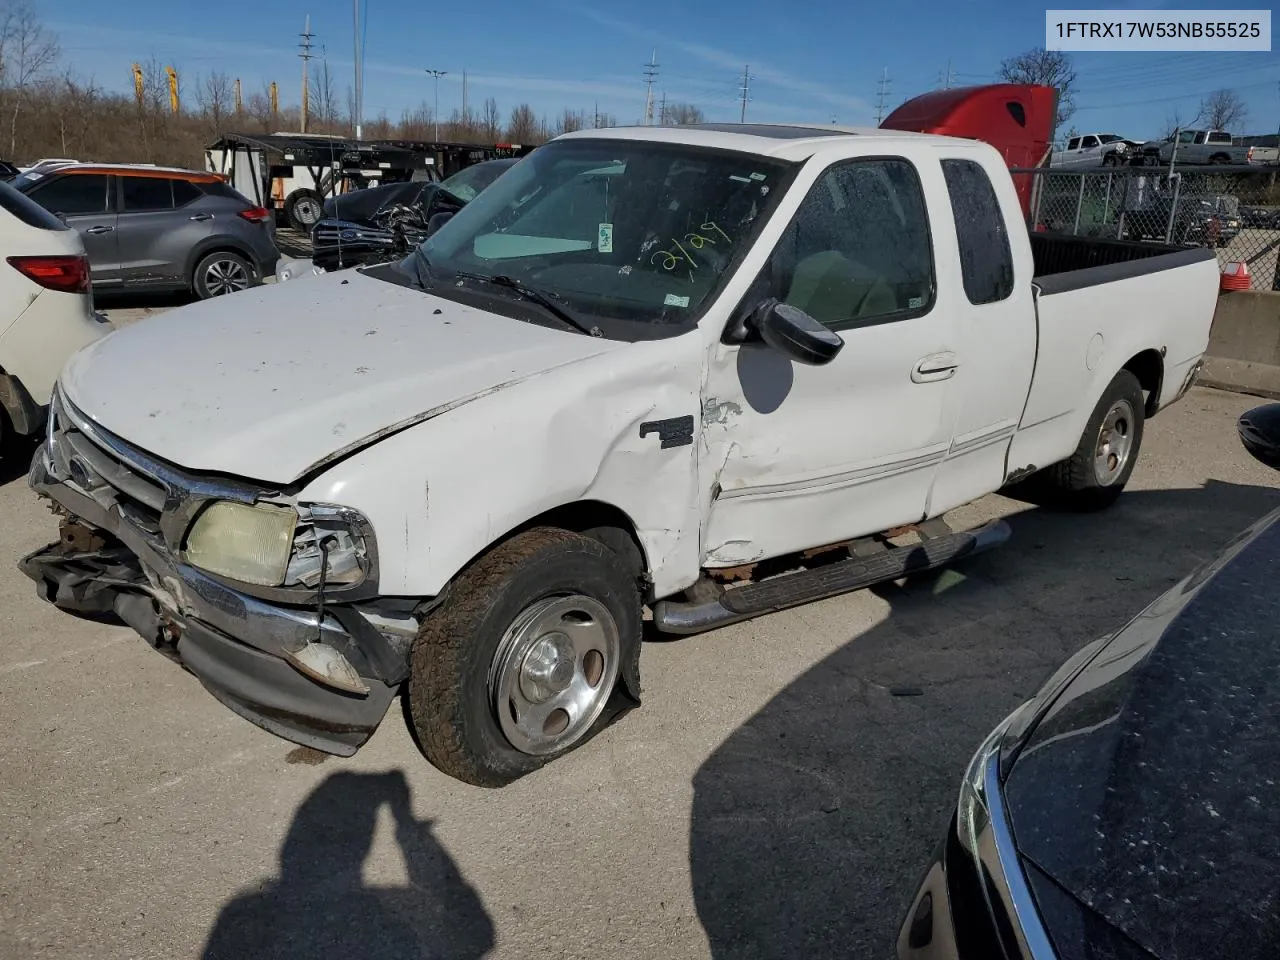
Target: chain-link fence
1235,210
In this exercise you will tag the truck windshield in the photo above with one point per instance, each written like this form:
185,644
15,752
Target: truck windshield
615,229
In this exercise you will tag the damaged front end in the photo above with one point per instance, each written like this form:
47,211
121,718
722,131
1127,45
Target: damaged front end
302,646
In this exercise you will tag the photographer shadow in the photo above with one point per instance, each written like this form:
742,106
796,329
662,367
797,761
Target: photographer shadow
320,906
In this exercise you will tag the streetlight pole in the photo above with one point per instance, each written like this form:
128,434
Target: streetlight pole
435,115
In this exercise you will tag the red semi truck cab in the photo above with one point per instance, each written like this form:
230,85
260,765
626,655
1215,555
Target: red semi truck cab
1015,118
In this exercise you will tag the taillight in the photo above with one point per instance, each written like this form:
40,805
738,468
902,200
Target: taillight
65,274
255,214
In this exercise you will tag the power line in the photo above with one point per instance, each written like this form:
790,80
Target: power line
882,94
948,78
650,74
745,91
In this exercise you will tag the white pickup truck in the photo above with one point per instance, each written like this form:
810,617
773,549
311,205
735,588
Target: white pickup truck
710,370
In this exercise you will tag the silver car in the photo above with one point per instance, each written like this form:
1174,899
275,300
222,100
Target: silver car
159,228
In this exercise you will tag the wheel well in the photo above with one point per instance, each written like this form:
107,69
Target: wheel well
1220,156
601,521
1148,367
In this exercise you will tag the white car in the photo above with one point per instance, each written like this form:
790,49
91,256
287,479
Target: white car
46,308
713,370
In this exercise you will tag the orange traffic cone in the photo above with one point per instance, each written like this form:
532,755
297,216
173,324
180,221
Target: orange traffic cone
1235,276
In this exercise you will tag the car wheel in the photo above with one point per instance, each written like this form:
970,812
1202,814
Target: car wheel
1095,475
303,209
220,273
524,660
1110,160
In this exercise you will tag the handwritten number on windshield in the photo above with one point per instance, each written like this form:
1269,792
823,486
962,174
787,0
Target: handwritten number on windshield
670,259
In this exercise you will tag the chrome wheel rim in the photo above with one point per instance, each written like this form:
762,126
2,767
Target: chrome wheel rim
225,276
553,672
307,210
1115,443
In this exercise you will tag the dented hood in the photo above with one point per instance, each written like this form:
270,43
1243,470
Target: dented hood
269,383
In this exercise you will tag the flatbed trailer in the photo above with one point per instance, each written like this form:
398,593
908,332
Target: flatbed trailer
292,173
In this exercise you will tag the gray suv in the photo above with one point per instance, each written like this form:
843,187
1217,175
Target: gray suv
159,228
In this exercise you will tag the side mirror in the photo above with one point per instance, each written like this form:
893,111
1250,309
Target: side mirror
793,332
1259,431
438,220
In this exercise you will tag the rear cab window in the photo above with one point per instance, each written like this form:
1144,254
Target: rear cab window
986,258
28,211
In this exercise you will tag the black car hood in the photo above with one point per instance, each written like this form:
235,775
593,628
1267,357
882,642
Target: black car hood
1151,789
362,205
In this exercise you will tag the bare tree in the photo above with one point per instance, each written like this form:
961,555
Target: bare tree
1051,68
1223,110
416,124
490,123
324,98
681,113
27,50
523,126
570,120
214,96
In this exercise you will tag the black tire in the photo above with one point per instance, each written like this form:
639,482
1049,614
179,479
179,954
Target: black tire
455,661
1075,482
1110,160
220,273
1219,159
303,209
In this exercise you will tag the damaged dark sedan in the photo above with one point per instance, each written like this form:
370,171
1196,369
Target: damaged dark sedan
384,223
1131,810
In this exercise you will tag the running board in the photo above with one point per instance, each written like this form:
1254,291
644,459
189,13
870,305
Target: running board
805,586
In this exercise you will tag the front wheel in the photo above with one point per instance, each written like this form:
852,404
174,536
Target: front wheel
524,660
1096,474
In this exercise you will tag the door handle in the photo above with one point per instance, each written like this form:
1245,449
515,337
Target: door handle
937,366
201,216
99,229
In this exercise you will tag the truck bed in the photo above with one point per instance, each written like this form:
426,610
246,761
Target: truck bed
1065,262
1102,304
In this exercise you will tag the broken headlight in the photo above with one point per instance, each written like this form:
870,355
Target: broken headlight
272,545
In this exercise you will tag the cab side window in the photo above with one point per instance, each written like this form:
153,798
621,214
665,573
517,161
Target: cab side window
858,250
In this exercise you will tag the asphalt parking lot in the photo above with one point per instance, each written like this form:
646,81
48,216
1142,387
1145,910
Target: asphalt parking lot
776,795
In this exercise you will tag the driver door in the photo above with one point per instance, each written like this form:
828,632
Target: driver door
803,456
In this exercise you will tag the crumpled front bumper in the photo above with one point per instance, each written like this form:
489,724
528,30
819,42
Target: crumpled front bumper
233,643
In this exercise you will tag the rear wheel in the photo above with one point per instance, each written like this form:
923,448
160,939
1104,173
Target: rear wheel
1096,474
522,663
222,272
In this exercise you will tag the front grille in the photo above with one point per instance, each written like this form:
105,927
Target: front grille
77,452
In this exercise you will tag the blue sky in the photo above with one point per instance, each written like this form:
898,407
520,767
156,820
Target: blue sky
810,60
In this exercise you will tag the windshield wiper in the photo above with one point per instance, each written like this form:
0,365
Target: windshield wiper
548,303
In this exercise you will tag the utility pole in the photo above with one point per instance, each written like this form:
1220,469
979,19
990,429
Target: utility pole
466,110
435,113
882,94
595,116
239,101
744,91
949,77
306,56
650,74
359,91
662,110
